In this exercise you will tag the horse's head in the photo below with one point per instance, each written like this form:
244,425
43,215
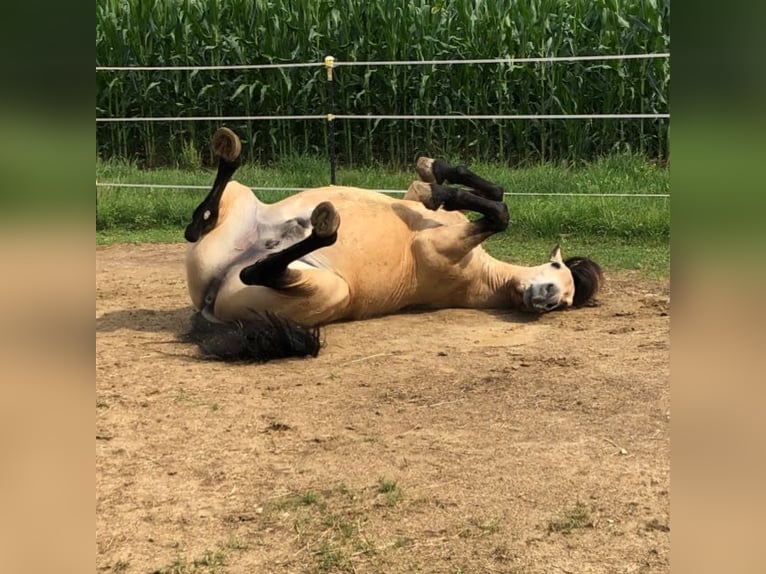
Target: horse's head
561,283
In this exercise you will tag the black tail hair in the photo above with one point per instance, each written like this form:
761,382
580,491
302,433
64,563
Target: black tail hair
266,337
588,278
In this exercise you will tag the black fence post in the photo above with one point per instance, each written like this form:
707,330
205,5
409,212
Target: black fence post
329,64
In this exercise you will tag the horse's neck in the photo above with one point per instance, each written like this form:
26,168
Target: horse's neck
502,284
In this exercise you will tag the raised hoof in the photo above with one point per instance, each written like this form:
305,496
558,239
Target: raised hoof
325,220
425,169
425,194
226,144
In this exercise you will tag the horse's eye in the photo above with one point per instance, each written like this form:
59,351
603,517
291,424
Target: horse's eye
556,265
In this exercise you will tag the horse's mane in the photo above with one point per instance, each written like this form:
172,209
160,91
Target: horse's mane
588,278
262,338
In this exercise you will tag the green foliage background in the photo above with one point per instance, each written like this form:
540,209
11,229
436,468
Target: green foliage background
210,32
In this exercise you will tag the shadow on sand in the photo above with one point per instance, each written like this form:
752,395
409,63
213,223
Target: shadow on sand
176,321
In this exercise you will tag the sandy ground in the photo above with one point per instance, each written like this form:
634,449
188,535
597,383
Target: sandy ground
448,441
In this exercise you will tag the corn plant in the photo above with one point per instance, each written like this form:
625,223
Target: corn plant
210,32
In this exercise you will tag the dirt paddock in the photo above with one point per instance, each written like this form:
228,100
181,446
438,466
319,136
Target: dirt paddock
448,441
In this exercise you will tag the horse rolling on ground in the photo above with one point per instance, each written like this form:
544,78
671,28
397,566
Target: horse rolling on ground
264,277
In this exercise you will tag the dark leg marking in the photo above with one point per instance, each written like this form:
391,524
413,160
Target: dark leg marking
227,147
461,175
270,271
453,199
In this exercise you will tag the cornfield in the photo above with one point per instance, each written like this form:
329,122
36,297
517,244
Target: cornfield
211,32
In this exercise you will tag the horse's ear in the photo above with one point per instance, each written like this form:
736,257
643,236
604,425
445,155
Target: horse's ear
555,255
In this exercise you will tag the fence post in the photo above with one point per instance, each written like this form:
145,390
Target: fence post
329,64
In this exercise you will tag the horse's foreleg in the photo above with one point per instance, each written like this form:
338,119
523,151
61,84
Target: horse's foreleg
438,171
272,271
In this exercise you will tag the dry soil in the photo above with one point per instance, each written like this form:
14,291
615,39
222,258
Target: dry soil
447,441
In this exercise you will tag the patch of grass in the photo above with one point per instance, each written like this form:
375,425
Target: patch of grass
489,526
364,545
330,523
178,566
292,501
393,498
160,215
158,235
236,544
330,557
209,562
301,524
619,232
385,485
308,498
480,528
574,518
650,258
391,490
340,524
210,559
182,396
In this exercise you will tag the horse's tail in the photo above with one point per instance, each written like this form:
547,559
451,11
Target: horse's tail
265,337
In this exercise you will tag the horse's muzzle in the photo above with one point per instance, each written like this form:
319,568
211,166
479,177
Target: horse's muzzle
542,297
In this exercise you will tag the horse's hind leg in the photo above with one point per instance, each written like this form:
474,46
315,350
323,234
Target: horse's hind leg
434,196
272,271
438,171
456,240
227,147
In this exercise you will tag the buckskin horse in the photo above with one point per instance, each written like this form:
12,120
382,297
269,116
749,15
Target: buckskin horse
264,277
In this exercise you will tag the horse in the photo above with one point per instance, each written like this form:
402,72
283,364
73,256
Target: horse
264,278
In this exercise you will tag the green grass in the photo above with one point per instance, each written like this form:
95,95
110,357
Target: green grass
622,232
390,490
333,527
576,517
209,562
